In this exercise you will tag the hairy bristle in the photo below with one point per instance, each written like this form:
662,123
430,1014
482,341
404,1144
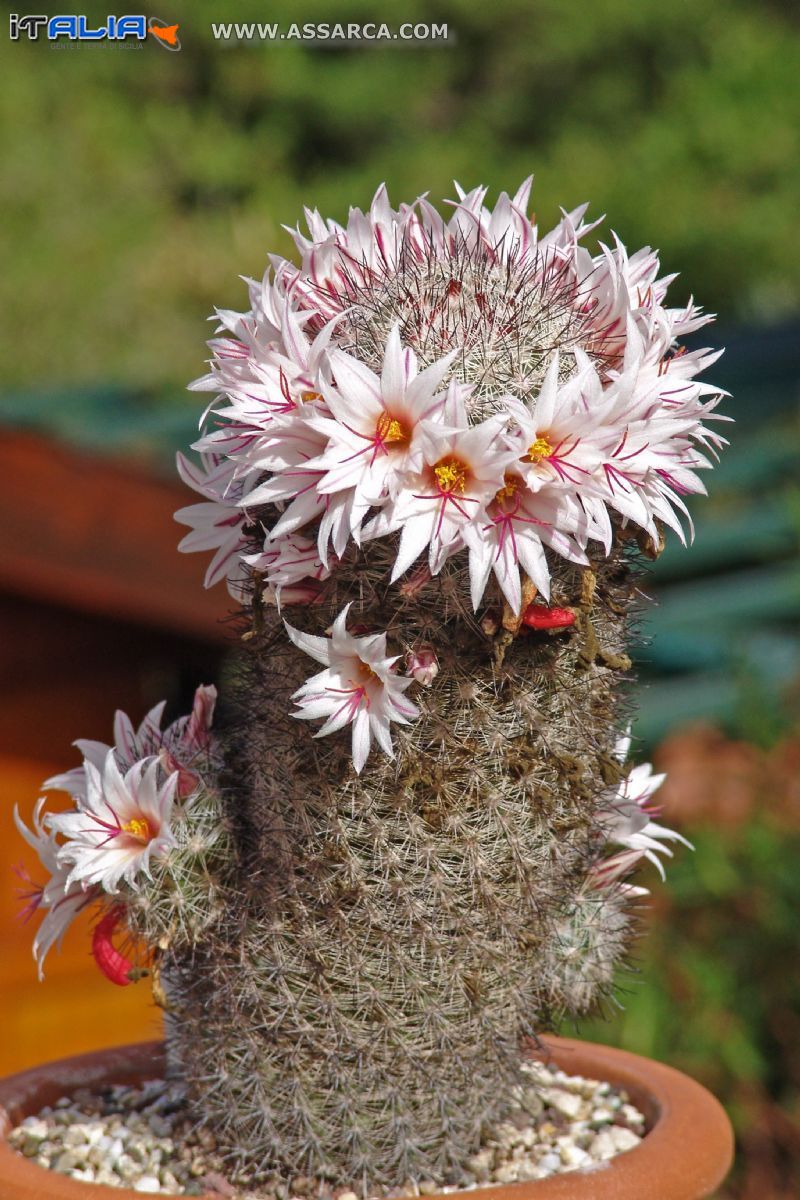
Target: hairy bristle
504,315
361,1006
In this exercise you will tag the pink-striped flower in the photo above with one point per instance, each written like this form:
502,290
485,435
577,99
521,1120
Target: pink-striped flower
218,523
357,687
517,525
462,468
59,897
375,430
291,568
183,747
122,823
627,820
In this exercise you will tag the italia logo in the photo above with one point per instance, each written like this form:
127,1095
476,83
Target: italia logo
81,29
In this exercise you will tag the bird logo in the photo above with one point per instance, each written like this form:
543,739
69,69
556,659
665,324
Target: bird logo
165,35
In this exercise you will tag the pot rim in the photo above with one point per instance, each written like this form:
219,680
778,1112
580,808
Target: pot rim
686,1152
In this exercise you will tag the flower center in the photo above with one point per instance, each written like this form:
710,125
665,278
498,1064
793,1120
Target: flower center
365,672
138,828
310,397
509,489
451,475
390,430
539,449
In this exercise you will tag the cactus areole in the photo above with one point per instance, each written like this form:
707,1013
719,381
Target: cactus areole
438,451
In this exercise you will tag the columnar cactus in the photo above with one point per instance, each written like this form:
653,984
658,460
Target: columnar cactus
438,452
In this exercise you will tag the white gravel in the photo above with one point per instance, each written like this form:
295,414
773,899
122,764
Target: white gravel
139,1137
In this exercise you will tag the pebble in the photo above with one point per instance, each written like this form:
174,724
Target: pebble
602,1146
528,1170
568,1103
603,1115
35,1129
623,1139
140,1138
549,1163
66,1161
106,1176
507,1173
572,1156
632,1115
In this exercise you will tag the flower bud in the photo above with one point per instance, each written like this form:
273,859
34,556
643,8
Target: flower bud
307,591
422,664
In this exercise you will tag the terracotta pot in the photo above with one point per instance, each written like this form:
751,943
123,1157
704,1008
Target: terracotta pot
685,1155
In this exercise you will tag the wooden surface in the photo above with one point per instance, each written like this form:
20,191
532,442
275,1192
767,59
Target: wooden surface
65,672
99,535
98,611
75,1008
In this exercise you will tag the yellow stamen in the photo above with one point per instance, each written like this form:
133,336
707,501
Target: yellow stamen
451,475
366,672
539,449
389,429
509,489
139,828
310,397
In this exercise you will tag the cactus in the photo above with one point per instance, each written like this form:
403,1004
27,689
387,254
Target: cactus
355,934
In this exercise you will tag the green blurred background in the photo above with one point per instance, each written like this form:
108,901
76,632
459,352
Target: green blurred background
138,185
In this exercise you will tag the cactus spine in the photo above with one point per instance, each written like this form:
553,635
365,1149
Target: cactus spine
355,948
361,1004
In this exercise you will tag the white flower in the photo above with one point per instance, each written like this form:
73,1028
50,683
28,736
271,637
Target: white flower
651,458
505,231
264,381
358,686
217,524
289,452
630,824
375,430
122,823
609,872
121,816
337,261
178,746
627,814
254,334
291,567
517,525
619,290
562,433
463,468
628,444
62,899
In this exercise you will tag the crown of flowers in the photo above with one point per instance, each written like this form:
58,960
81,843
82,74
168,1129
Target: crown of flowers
465,387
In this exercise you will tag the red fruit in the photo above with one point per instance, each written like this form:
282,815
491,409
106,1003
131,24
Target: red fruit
115,966
539,616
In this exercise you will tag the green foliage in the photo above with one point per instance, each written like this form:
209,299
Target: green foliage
138,183
719,992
